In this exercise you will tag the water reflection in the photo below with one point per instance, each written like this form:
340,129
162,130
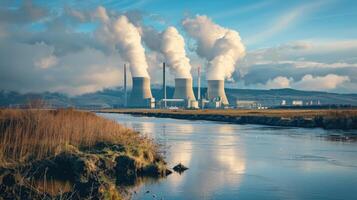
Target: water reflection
227,155
228,161
181,153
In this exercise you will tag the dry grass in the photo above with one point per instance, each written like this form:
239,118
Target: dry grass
33,134
235,112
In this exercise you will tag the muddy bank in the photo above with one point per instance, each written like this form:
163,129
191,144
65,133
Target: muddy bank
326,122
103,171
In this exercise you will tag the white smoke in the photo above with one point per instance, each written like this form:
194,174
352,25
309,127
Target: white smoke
173,48
222,47
121,33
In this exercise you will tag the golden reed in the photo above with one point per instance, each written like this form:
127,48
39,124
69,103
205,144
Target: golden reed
33,134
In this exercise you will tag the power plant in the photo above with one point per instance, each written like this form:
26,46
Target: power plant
183,97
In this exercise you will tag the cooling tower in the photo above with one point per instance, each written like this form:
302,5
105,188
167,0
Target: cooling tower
216,89
140,93
183,89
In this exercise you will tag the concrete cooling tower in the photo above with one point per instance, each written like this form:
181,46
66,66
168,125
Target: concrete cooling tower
183,89
141,93
216,89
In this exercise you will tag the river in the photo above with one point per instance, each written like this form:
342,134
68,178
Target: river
229,161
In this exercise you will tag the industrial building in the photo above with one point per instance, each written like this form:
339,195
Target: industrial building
141,96
240,104
183,89
216,93
183,97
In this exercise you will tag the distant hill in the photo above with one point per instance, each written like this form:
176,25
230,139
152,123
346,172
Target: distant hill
115,97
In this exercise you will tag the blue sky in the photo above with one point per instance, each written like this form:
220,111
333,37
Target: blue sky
273,21
296,44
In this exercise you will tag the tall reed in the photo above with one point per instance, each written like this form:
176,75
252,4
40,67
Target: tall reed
36,134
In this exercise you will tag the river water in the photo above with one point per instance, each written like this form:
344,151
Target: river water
229,161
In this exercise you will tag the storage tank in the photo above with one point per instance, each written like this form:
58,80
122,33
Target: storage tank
141,93
183,89
216,91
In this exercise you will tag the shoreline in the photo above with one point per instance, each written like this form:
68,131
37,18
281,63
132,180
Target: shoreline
326,119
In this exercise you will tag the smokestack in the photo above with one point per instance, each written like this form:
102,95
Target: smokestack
164,83
141,92
183,89
216,89
199,84
125,89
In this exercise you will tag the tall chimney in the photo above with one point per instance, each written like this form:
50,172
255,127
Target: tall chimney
164,83
125,89
199,83
140,93
183,89
216,90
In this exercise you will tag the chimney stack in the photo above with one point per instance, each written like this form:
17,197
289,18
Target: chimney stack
199,83
125,89
164,83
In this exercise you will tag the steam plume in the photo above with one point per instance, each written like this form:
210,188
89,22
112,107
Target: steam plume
173,48
222,47
126,38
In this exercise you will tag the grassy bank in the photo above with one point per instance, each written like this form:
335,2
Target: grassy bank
71,146
239,112
330,119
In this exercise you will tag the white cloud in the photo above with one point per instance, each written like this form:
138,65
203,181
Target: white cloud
60,59
297,59
278,82
86,70
308,64
308,82
328,82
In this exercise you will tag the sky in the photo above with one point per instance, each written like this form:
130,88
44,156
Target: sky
77,47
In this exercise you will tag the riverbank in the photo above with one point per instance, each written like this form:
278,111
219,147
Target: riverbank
344,119
69,154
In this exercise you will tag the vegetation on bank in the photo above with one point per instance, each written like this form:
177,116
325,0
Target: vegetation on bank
328,119
95,156
240,112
